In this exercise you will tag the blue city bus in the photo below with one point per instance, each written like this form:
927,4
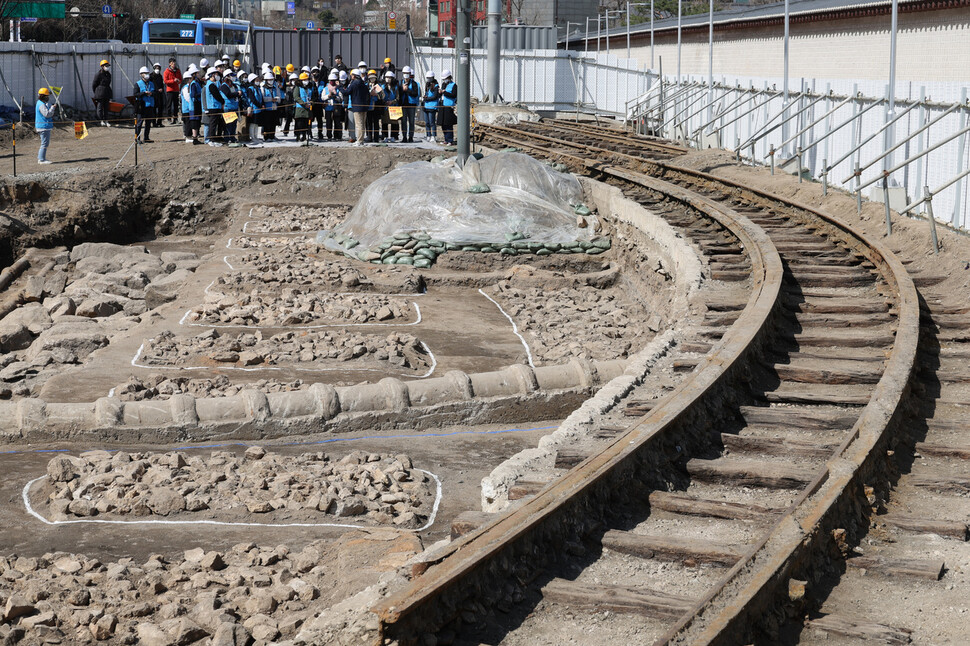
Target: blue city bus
205,31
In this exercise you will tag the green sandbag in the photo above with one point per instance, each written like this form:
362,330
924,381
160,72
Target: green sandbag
581,209
595,250
543,252
603,243
426,253
469,248
553,246
565,251
369,256
401,235
421,236
390,260
518,244
515,235
405,260
487,250
508,251
422,263
481,187
351,244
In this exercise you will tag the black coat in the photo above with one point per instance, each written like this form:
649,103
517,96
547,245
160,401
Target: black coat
102,86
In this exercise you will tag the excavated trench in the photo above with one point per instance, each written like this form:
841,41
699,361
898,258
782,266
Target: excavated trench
163,297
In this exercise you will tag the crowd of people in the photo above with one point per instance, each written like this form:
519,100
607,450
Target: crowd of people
219,103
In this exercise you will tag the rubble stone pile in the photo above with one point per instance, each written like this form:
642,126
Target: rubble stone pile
164,386
582,322
241,596
286,348
293,307
295,219
367,487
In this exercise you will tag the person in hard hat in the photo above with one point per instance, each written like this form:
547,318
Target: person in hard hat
343,82
144,104
388,66
254,109
292,80
302,106
447,118
376,107
409,97
272,96
230,103
290,69
44,122
102,92
203,63
172,78
333,106
358,104
159,82
212,102
430,99
237,68
389,127
362,69
318,82
191,99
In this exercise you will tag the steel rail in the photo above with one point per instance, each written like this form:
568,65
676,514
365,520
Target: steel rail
420,606
619,136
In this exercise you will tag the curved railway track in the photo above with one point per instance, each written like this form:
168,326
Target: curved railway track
734,485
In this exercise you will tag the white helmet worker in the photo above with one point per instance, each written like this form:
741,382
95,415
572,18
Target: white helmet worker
204,63
429,74
390,75
292,77
305,68
144,70
187,75
446,74
211,71
192,68
355,72
252,77
268,76
343,76
333,76
362,64
407,70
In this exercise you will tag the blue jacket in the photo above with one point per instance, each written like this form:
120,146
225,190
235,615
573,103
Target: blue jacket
271,97
449,94
359,95
410,93
211,97
142,86
230,95
254,97
331,97
431,95
43,116
390,93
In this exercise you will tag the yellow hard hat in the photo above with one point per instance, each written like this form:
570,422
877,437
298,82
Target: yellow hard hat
277,70
289,67
104,62
236,63
304,76
371,72
43,91
387,60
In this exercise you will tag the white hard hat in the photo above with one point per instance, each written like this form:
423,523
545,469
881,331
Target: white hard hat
204,62
252,77
305,68
355,72
390,74
192,68
362,64
268,76
429,74
158,65
266,65
187,75
229,73
407,70
211,71
292,77
144,70
222,61
333,76
343,76
225,57
446,74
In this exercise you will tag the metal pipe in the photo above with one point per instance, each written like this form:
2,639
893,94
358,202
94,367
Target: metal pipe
932,219
495,47
651,34
885,199
852,120
961,146
774,96
939,189
741,97
765,130
911,135
812,124
706,106
930,149
710,57
464,78
628,30
586,40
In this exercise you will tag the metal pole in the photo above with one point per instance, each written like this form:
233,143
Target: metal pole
825,177
885,197
464,78
13,135
784,131
710,59
495,47
680,4
628,55
929,214
586,42
651,34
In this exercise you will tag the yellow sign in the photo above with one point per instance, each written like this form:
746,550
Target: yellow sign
392,24
80,130
229,117
56,90
394,112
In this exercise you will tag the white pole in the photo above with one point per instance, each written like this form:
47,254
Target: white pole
628,30
599,30
710,62
891,91
586,42
607,32
784,127
680,4
651,35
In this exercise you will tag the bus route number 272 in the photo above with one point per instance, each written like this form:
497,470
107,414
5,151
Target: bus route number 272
187,33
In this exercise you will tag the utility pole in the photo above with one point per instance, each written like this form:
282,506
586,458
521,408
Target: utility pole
464,78
495,47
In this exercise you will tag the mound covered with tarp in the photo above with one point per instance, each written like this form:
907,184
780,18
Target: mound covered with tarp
505,203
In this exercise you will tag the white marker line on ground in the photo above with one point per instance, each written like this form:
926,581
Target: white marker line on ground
206,290
434,364
307,327
515,328
225,259
30,510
